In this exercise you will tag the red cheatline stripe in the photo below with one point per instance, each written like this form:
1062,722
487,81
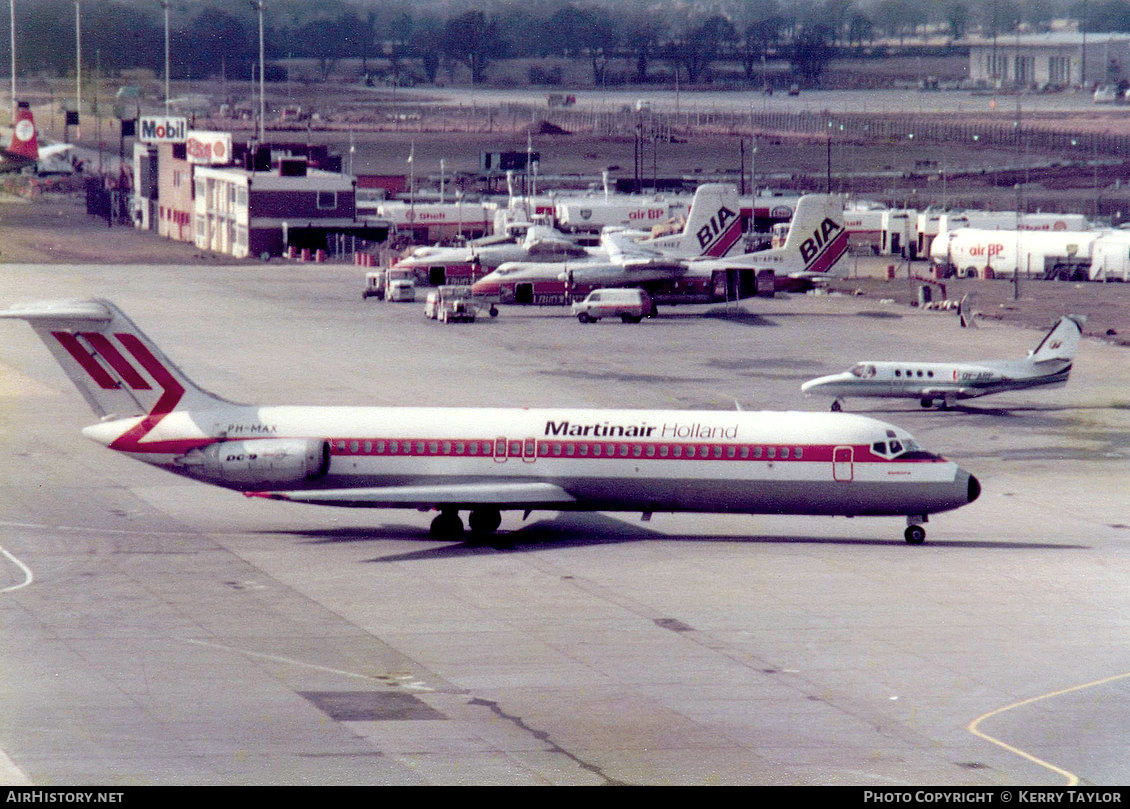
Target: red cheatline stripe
119,363
85,359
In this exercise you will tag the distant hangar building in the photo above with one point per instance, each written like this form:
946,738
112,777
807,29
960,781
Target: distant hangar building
1054,60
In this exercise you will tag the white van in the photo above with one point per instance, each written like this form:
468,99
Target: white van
630,305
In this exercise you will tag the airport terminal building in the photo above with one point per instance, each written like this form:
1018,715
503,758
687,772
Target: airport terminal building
1053,60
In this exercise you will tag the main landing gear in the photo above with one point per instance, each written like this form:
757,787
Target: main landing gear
448,526
837,405
944,402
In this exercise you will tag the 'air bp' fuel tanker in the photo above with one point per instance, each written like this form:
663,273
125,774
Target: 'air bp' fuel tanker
1065,255
488,460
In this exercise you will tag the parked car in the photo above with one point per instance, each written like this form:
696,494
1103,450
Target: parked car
629,304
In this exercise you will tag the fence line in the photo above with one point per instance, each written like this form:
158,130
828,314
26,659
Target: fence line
891,128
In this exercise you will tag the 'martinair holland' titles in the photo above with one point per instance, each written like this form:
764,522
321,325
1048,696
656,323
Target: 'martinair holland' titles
667,430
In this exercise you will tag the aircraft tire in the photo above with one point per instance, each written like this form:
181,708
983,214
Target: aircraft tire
446,526
926,402
837,406
914,534
583,317
484,520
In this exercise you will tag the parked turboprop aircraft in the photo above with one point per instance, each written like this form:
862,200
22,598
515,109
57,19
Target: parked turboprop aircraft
455,265
815,243
712,228
1048,365
490,459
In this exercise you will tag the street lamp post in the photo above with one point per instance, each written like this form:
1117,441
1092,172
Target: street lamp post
257,5
12,16
78,67
165,6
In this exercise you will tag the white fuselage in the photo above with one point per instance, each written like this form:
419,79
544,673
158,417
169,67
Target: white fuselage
627,460
938,380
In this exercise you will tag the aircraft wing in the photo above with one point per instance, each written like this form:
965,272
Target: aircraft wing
622,248
55,149
516,494
656,263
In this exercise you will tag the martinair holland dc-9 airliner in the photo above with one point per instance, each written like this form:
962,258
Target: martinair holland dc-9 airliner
487,460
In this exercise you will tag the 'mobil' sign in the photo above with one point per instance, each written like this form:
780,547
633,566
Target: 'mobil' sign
161,129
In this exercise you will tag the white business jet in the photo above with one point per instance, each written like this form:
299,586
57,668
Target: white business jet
1048,365
489,460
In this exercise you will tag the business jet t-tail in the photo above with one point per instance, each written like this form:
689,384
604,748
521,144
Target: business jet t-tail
1048,365
489,460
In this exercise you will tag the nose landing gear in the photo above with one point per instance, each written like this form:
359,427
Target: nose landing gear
915,534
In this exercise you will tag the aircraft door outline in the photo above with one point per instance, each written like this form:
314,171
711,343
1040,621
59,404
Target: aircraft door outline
529,450
843,464
500,445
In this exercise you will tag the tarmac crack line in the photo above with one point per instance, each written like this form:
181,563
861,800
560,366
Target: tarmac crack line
543,736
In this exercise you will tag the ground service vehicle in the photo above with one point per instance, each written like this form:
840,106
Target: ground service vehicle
630,305
456,310
442,297
401,289
374,285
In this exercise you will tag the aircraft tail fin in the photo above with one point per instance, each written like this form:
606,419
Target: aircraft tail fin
714,222
119,370
25,140
1061,342
817,232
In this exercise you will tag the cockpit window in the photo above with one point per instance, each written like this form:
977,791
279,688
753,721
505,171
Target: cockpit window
863,370
905,448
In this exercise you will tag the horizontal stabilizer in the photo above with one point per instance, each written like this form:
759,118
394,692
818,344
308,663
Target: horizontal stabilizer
509,495
83,311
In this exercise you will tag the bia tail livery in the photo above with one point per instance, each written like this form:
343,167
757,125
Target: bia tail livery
1048,365
816,241
713,226
484,461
